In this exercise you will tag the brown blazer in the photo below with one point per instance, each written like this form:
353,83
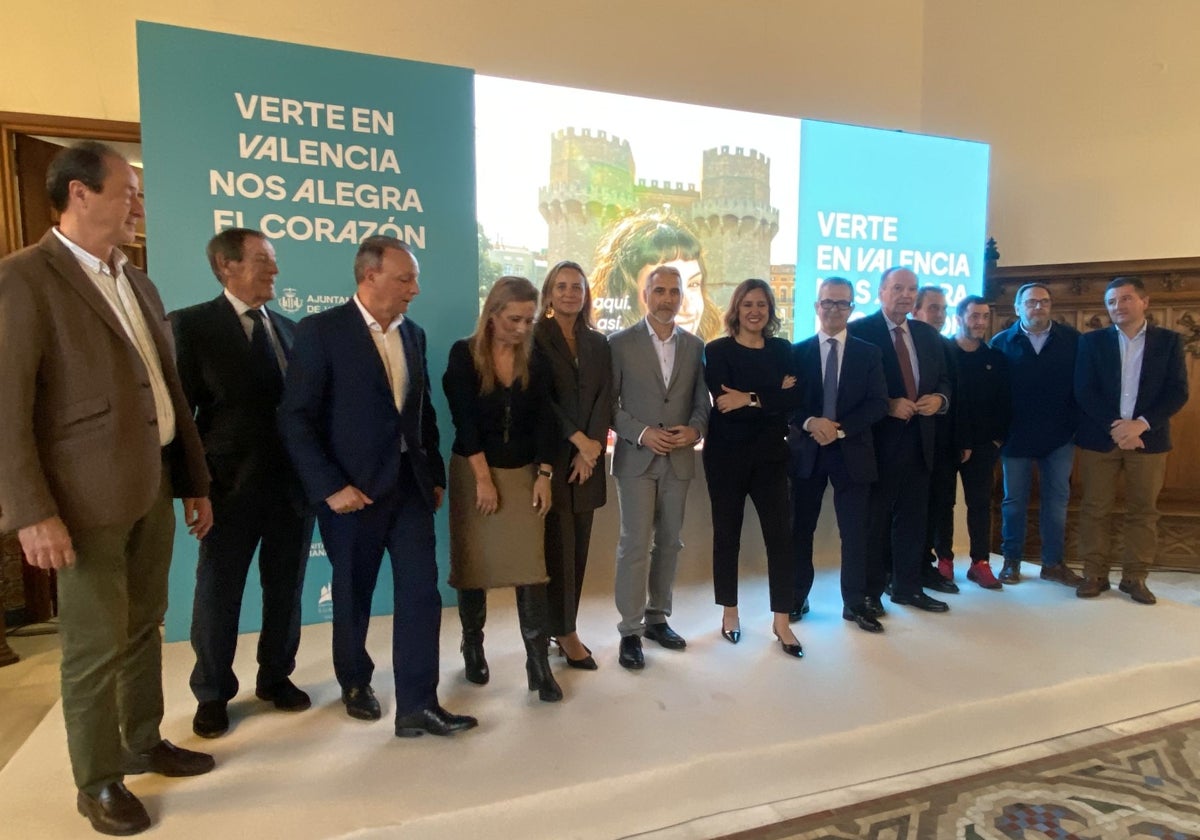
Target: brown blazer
78,429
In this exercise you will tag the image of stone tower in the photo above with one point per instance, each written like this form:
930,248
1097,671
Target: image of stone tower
734,219
591,186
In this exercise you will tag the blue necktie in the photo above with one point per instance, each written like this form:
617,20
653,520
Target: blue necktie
829,409
262,354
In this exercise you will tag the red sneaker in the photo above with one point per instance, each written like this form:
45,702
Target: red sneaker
945,566
981,573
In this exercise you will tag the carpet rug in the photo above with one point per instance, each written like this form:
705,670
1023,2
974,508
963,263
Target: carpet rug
1140,786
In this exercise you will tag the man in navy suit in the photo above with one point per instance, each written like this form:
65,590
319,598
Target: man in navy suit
914,365
1130,378
830,436
357,420
232,354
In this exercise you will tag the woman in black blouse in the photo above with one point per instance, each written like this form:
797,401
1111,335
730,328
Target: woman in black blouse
580,368
500,473
749,374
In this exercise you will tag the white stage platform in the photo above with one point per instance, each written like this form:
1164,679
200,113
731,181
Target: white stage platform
714,729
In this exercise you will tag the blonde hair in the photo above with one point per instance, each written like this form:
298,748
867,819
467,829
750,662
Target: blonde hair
506,290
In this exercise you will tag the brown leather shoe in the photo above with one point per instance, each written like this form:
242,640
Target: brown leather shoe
114,810
1136,589
1092,587
166,759
1011,572
1061,574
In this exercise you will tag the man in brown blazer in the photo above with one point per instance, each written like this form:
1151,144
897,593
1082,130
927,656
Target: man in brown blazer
95,440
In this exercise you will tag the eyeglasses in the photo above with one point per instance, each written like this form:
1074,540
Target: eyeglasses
839,305
1036,303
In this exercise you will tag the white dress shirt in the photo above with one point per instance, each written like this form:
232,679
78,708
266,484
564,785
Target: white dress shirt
241,308
1133,350
391,351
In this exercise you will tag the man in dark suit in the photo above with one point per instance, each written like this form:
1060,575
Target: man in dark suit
357,420
95,440
844,395
232,354
1130,378
914,365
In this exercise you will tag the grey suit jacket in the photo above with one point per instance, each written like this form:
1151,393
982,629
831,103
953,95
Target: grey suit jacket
78,429
642,400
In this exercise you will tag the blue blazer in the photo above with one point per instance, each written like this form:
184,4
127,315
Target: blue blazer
338,419
861,402
1162,389
934,379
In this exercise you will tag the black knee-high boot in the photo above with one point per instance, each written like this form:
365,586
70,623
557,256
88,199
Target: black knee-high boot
472,612
532,612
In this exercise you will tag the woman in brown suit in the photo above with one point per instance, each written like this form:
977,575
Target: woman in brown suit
580,367
500,471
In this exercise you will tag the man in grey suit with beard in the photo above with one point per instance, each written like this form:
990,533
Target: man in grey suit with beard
660,412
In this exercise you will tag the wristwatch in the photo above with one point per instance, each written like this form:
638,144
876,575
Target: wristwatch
546,473
755,402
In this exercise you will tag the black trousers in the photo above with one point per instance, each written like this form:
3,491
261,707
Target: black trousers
266,522
758,470
977,479
896,515
568,537
850,503
943,492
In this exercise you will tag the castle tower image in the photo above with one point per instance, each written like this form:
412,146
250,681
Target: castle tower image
734,219
591,186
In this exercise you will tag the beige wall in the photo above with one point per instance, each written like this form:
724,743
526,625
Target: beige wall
1089,104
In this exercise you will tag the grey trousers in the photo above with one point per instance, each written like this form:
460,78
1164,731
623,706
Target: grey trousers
647,550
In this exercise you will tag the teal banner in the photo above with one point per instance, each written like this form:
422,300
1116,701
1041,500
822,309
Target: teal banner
318,149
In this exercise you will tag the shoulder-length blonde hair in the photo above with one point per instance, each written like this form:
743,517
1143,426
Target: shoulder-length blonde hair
506,290
733,326
585,314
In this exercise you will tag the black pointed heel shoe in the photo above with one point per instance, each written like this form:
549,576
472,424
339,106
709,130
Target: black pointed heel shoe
791,650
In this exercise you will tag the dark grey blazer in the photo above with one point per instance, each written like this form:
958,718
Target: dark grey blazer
581,395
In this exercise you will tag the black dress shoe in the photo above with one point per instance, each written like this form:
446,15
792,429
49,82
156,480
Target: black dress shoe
361,703
937,583
789,648
211,720
861,616
630,655
285,695
665,636
166,759
874,607
922,602
435,720
114,810
798,612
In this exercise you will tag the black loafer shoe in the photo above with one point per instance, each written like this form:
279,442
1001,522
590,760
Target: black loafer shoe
285,696
861,616
665,636
166,759
361,703
922,602
211,720
630,655
435,720
114,810
874,607
938,583
798,612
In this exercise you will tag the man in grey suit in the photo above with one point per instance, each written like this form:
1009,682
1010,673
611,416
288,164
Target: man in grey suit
661,411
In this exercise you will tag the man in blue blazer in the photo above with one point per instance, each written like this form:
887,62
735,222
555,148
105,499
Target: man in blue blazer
232,353
1130,378
844,395
357,420
914,365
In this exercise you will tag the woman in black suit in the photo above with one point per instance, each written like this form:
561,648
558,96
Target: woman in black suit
580,366
749,374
